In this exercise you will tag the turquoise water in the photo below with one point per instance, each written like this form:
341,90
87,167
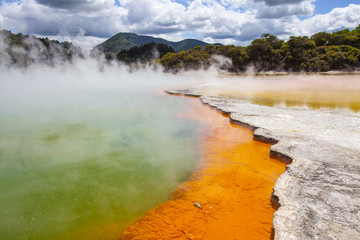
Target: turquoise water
81,154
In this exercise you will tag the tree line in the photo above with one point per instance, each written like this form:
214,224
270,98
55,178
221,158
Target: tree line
144,53
319,53
23,50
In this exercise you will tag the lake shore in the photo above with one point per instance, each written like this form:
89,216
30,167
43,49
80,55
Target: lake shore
228,195
319,192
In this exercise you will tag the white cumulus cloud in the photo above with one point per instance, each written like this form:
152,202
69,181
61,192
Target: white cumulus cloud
87,22
303,8
337,19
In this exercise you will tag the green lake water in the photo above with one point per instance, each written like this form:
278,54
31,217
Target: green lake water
75,154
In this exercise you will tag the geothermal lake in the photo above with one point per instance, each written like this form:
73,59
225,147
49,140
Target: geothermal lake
84,154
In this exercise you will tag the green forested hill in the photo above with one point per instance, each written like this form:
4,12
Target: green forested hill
124,41
144,54
320,52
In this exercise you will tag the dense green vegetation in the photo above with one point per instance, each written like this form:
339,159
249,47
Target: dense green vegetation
125,41
144,53
23,50
320,52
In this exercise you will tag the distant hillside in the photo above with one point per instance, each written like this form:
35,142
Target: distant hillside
144,54
124,41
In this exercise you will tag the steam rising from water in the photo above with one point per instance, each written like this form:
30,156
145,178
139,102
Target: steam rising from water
79,146
335,90
88,142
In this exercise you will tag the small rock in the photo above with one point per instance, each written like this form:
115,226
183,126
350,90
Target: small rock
196,204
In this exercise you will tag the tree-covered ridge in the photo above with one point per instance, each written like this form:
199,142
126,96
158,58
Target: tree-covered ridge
320,52
23,50
144,53
125,41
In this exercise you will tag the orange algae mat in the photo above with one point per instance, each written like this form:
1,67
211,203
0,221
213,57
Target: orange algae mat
227,197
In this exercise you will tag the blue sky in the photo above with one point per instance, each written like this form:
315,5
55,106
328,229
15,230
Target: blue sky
325,6
89,22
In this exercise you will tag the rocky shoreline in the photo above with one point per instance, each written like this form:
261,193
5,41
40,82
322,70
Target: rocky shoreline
319,193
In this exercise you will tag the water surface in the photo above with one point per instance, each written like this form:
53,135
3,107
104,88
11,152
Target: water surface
336,91
84,154
227,197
